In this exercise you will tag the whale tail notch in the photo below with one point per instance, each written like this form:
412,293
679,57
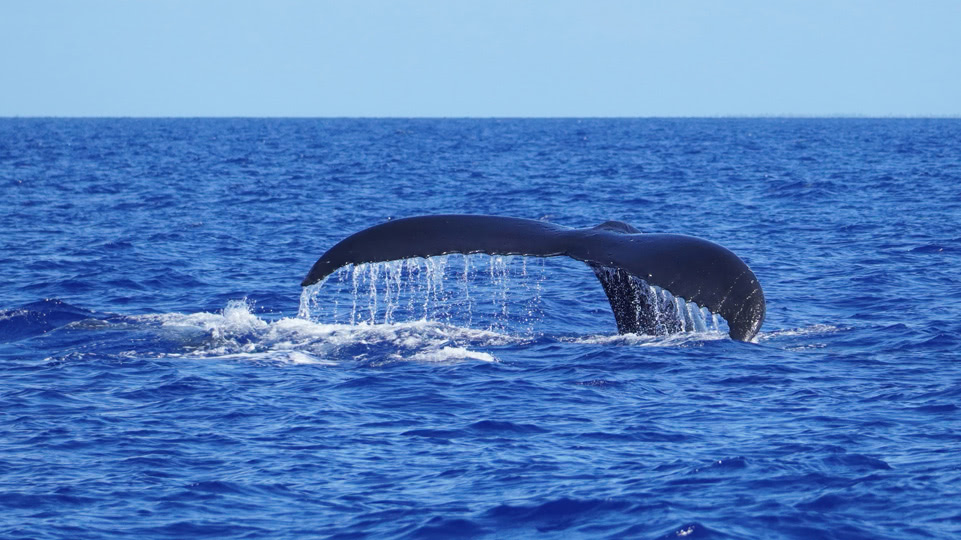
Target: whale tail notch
691,268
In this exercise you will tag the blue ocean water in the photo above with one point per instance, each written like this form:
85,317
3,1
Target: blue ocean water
164,377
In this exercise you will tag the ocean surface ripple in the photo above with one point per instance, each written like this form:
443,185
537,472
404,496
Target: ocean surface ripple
165,377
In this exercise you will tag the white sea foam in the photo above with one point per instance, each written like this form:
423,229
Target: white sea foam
238,333
671,340
813,330
449,354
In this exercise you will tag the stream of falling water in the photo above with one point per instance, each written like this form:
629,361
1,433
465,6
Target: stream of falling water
497,293
667,313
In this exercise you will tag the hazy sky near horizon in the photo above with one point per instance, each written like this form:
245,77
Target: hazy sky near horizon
480,58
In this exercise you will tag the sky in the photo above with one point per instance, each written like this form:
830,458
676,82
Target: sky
510,58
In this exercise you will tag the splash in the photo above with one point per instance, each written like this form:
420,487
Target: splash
451,308
238,333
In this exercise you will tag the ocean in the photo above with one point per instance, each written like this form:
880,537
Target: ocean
165,375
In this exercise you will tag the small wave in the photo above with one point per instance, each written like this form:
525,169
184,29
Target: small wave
556,514
937,408
935,248
38,318
438,527
692,531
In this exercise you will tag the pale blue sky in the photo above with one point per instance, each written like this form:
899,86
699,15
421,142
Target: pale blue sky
480,58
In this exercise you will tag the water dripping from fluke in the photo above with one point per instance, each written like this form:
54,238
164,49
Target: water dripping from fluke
494,294
650,279
500,294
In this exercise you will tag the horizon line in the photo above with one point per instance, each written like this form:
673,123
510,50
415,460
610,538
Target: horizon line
494,117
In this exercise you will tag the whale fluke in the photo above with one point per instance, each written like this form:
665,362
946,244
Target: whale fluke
691,268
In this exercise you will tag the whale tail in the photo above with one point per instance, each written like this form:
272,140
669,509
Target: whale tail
691,268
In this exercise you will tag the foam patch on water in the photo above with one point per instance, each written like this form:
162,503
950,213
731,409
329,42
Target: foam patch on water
638,340
813,330
449,354
238,333
277,356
